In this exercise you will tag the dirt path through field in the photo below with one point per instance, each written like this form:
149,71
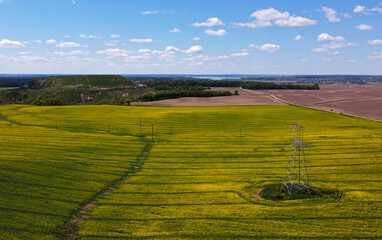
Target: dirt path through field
70,228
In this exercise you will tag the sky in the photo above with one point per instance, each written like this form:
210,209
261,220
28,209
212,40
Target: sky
190,37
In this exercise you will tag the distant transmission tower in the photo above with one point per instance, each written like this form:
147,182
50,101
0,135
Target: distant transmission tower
295,178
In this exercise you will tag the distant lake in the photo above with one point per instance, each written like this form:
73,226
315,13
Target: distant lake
216,77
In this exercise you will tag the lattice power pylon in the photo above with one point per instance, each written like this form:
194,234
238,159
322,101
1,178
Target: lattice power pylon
296,178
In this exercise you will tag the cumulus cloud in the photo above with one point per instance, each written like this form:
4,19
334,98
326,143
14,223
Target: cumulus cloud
114,36
364,27
68,45
359,9
6,43
214,21
270,16
194,49
114,52
376,55
141,40
332,45
175,30
196,38
298,38
71,53
269,47
242,54
150,12
37,41
171,49
375,42
364,10
87,36
25,53
51,41
111,43
219,32
327,37
330,14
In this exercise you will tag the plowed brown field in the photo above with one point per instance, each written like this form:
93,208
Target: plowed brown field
359,100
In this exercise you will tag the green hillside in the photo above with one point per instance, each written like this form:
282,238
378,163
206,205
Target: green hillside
83,81
74,90
198,179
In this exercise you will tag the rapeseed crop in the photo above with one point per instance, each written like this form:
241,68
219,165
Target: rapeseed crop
198,179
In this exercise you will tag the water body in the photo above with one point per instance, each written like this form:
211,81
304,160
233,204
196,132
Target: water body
215,77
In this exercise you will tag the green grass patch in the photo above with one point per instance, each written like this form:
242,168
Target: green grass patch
8,88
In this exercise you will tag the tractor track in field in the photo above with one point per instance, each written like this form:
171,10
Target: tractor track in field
68,231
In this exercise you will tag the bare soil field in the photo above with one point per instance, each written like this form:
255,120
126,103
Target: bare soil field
245,98
359,100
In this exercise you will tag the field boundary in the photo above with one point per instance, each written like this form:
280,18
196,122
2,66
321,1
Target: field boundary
309,107
68,231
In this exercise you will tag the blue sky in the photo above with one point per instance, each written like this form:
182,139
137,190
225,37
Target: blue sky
191,37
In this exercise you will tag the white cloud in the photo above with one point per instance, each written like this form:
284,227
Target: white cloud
37,41
364,10
327,37
68,45
51,41
270,16
219,32
359,9
195,64
332,45
114,36
377,9
67,36
88,36
252,45
141,40
222,57
149,12
144,50
6,43
297,38
172,49
214,21
375,42
375,55
111,43
269,47
351,61
194,49
175,30
114,52
71,53
242,54
25,53
330,14
196,38
336,53
364,27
